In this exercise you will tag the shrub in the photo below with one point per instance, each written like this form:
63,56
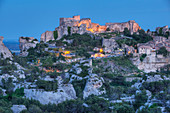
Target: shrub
140,99
47,85
142,57
79,86
163,51
69,30
55,33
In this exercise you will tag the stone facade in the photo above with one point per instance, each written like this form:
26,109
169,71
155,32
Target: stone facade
85,25
145,50
119,27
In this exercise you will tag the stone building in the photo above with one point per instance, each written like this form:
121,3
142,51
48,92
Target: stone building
85,25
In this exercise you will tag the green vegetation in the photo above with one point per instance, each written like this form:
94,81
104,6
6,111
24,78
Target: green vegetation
55,33
142,37
141,99
142,57
124,108
127,41
79,86
84,41
156,87
47,85
69,30
163,51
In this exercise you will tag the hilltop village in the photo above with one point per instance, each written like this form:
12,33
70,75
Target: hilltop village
82,66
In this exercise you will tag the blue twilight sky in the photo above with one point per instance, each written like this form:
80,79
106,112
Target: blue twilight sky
33,17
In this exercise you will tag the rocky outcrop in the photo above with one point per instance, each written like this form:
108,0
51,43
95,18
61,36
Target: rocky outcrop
109,44
94,86
18,108
119,27
151,63
47,36
4,51
163,30
64,92
156,78
25,44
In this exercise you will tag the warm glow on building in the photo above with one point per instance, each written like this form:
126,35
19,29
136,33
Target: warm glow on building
90,29
98,55
101,50
129,52
51,70
66,52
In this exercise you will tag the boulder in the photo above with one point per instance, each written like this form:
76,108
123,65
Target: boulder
64,92
94,86
18,108
4,51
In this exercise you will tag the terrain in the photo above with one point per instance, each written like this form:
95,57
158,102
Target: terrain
85,67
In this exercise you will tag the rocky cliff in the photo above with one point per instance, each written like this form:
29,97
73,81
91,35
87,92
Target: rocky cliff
47,36
151,63
4,51
26,43
85,25
163,30
64,92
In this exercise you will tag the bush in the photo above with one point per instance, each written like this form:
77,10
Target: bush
79,86
97,105
47,85
55,33
140,99
163,51
69,30
156,87
142,57
125,108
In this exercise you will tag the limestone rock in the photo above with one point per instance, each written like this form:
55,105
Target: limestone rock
18,108
109,44
65,92
25,44
93,86
47,36
156,78
151,63
4,51
164,29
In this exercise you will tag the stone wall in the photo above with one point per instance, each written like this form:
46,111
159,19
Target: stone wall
131,25
85,25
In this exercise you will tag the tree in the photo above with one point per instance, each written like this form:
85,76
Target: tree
126,32
140,99
108,29
69,30
163,51
55,33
